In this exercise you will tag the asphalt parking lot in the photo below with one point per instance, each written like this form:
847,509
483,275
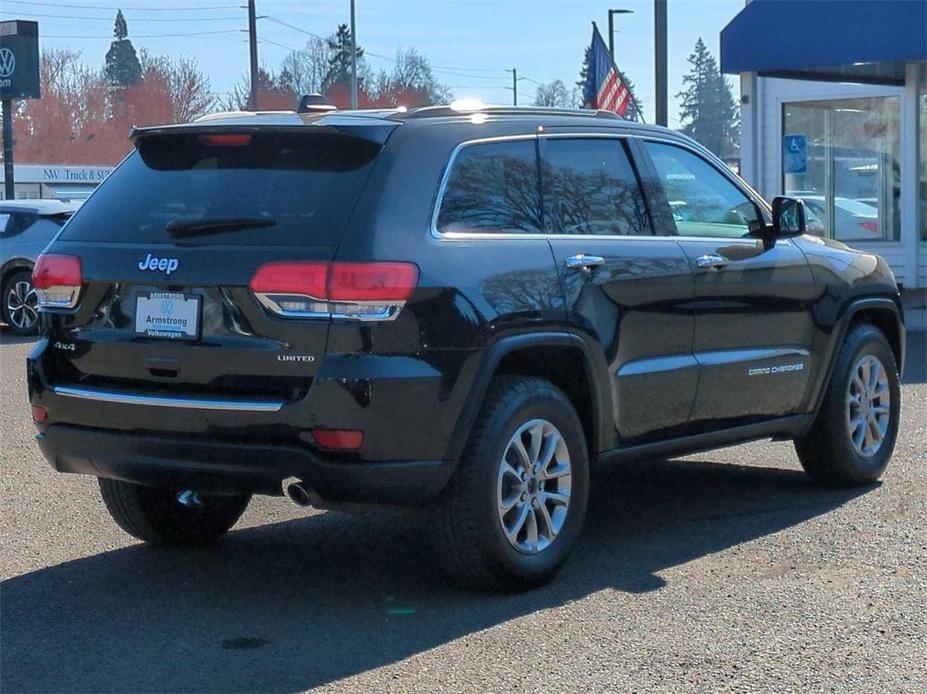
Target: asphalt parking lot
723,571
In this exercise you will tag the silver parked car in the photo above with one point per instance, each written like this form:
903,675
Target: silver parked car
26,227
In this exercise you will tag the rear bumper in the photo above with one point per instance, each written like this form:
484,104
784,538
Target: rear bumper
259,467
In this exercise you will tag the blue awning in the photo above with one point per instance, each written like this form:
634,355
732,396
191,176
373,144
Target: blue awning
826,39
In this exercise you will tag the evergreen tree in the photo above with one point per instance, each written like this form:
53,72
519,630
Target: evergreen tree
708,112
122,65
339,61
634,111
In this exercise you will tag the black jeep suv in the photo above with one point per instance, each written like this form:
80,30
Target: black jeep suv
465,311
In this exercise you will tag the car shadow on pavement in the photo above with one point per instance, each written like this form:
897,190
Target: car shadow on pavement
290,606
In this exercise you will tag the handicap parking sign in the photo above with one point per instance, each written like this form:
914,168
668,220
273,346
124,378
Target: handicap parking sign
795,154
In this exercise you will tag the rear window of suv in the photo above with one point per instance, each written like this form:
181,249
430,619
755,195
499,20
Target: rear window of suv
300,189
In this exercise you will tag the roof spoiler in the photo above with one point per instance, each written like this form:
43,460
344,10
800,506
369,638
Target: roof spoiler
375,130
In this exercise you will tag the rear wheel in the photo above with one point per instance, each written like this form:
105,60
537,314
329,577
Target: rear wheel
851,441
513,509
162,516
20,303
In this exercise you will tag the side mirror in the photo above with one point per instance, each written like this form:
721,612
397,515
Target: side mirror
788,216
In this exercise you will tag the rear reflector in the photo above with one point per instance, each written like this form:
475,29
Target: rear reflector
361,291
57,280
229,140
338,439
39,414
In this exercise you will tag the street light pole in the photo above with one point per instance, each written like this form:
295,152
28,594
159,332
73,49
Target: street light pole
353,59
660,61
611,30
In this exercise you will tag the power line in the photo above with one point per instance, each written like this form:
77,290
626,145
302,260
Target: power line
143,36
292,26
132,18
123,7
446,69
261,39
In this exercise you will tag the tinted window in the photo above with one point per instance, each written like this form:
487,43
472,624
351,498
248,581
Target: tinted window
17,223
703,201
493,188
590,188
306,184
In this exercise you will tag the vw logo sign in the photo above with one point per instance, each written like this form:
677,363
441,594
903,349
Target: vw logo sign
7,62
167,307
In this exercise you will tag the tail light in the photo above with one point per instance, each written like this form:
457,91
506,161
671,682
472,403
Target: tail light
57,280
870,226
358,291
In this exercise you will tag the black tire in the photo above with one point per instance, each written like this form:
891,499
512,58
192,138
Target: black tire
25,322
154,515
465,520
827,452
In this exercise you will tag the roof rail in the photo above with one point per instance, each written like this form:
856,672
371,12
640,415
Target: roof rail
445,111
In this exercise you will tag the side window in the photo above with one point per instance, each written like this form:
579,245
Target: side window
17,223
493,188
4,221
703,201
590,188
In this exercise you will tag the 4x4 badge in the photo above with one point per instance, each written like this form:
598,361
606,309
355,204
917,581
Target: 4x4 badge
153,264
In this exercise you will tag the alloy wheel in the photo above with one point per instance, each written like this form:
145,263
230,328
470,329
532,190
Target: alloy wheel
868,405
21,301
533,486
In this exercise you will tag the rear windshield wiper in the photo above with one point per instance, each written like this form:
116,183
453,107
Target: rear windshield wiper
201,227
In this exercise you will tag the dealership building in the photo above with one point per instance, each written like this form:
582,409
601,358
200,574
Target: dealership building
55,181
834,111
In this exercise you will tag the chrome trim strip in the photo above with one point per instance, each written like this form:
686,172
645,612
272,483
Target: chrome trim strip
388,309
115,396
723,357
710,159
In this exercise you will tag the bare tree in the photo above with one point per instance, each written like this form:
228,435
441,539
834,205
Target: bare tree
410,82
554,94
303,72
182,81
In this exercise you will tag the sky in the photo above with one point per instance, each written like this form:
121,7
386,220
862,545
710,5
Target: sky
470,43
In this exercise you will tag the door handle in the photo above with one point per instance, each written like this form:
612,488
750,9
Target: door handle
581,261
710,261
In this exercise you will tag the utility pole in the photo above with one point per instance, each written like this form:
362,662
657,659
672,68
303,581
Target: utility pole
514,86
660,61
252,40
353,59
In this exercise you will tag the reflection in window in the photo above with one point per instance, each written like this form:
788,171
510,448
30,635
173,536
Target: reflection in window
590,188
493,188
703,201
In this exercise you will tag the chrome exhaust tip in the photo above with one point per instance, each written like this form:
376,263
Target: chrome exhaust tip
294,490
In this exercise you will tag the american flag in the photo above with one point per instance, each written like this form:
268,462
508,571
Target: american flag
604,88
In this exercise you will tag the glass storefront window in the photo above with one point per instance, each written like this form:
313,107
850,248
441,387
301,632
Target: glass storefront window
844,162
922,148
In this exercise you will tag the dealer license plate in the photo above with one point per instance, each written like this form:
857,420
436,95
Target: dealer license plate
168,315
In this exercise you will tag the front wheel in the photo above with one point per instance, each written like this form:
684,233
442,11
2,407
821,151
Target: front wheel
513,509
166,517
852,438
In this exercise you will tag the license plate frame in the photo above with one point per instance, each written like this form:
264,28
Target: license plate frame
165,315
